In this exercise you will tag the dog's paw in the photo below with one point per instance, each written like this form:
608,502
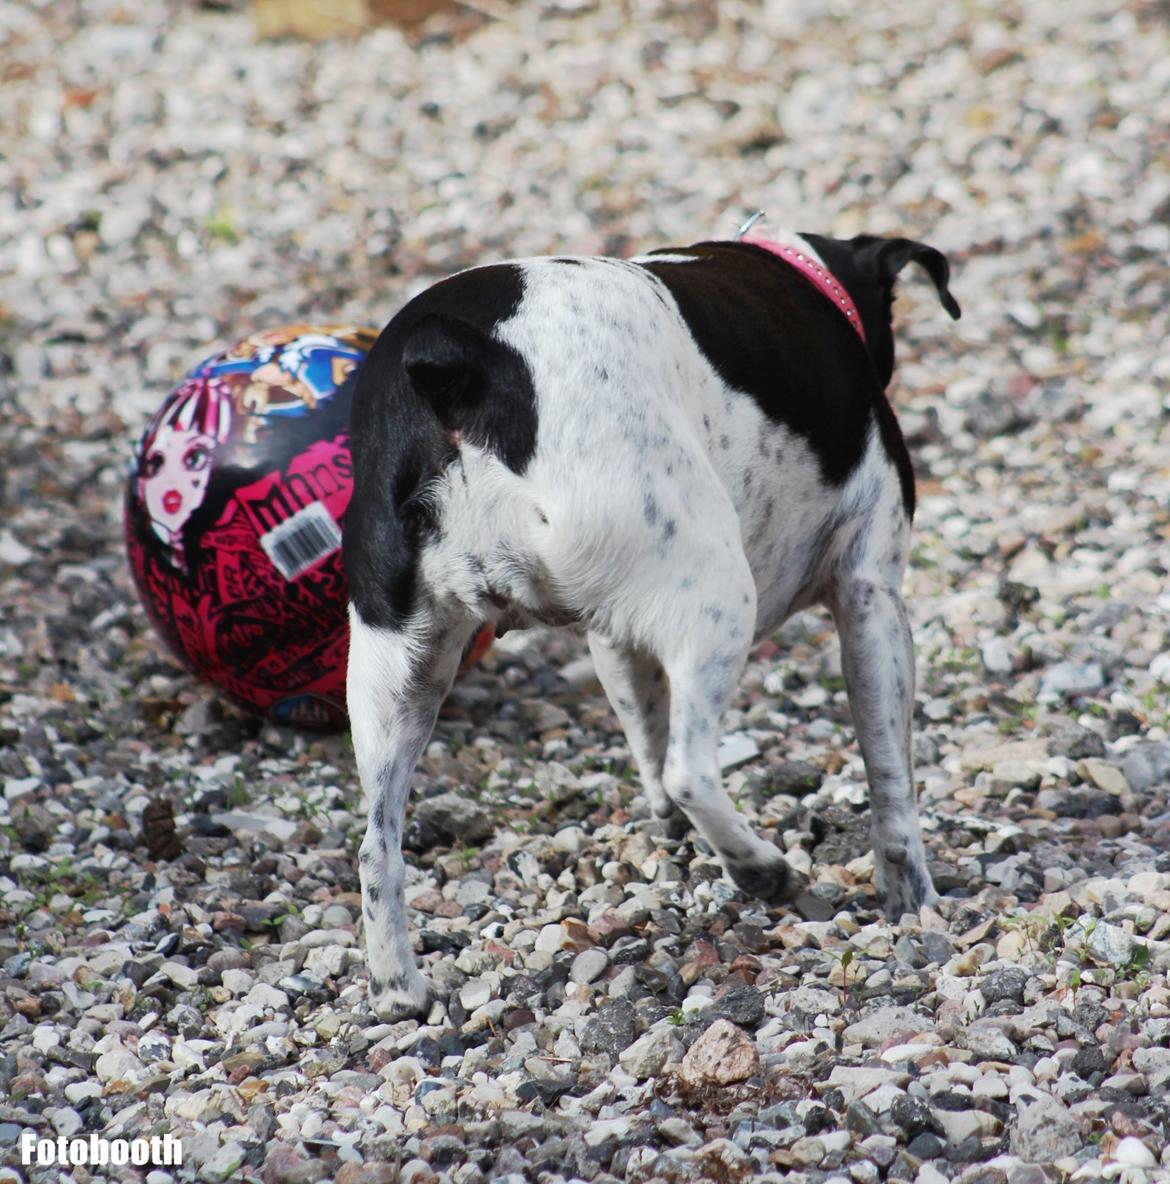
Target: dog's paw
905,888
674,826
400,997
770,879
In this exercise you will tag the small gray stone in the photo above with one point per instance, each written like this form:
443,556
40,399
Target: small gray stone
987,1042
1005,984
611,1030
335,916
224,1164
66,1121
1045,1131
474,993
883,1024
1076,743
677,1132
996,653
651,1052
742,1005
588,965
1068,679
1147,765
1111,944
913,1116
454,818
184,977
936,946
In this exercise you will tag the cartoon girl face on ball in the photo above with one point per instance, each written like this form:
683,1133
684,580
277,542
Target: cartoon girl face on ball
176,456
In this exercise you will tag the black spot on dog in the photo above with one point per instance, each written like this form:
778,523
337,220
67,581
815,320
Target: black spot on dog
435,370
397,982
650,509
669,527
818,349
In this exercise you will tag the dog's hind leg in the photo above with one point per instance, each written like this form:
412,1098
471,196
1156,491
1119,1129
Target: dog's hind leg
636,686
703,657
877,657
397,681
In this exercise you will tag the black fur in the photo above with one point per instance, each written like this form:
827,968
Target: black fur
435,371
814,376
796,357
868,266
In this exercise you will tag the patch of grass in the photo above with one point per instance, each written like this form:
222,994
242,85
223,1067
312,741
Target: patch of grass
293,910
236,794
220,227
44,883
1136,967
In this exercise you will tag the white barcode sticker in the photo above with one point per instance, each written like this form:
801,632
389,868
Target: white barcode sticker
301,541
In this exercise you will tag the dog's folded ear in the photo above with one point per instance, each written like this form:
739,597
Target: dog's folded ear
473,383
887,257
444,359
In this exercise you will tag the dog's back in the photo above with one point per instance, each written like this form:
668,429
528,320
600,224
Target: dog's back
638,400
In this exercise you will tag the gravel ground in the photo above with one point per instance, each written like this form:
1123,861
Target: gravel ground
614,1009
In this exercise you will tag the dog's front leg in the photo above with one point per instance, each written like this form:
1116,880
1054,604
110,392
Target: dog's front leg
397,680
877,656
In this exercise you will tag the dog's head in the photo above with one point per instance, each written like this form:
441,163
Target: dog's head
868,266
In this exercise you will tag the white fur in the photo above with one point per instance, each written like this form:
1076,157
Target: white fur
643,517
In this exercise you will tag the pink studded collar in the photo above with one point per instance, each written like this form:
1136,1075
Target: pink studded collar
816,273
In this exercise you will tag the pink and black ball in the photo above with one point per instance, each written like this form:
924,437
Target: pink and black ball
234,510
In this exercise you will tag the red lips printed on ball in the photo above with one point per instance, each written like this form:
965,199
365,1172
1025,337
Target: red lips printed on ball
234,509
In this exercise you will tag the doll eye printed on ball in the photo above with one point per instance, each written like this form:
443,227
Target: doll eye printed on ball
198,456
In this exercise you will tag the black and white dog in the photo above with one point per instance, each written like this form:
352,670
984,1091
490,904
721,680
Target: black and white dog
672,452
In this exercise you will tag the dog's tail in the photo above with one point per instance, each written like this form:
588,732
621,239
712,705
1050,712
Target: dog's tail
868,266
